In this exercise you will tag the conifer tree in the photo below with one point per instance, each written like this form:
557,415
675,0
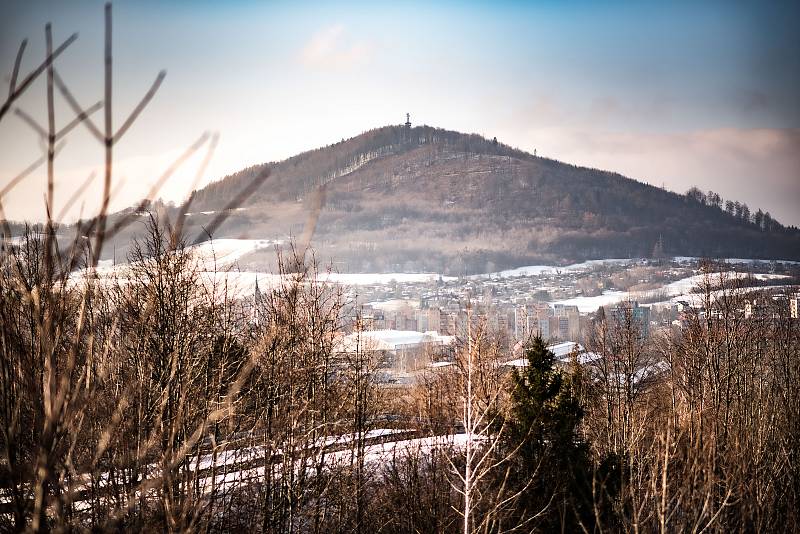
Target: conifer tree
543,428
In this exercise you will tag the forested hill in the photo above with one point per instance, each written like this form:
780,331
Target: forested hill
294,177
429,199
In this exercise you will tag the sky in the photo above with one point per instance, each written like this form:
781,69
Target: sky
675,94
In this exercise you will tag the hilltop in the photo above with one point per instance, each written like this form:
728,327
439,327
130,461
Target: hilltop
428,199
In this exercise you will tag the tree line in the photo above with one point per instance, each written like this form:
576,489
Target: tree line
735,209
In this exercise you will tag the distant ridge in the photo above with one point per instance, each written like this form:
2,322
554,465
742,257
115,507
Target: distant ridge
427,199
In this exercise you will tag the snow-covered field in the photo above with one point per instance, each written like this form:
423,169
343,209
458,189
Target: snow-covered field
696,299
218,262
218,259
395,304
223,253
390,340
230,473
590,304
538,270
374,455
686,285
682,289
735,261
361,279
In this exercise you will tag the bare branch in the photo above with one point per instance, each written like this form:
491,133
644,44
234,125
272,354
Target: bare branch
159,183
33,75
30,121
197,178
76,107
140,107
76,195
82,116
28,170
237,201
17,63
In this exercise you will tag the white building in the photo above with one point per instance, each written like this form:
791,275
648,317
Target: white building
398,350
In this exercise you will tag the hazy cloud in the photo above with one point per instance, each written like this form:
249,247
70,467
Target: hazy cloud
332,47
134,175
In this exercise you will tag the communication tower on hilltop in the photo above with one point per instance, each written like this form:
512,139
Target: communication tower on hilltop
407,129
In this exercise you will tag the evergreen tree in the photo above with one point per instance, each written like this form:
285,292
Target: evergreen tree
745,213
658,250
768,222
758,219
551,461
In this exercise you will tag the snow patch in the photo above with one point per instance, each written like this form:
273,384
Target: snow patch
590,304
225,252
538,270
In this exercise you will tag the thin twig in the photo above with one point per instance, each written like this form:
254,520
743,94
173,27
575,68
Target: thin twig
76,107
140,107
237,201
121,223
178,231
30,121
33,75
28,170
75,196
82,116
17,62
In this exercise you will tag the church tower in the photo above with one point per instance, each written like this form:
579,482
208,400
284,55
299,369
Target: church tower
258,304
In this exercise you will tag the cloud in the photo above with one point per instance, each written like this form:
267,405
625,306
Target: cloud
331,47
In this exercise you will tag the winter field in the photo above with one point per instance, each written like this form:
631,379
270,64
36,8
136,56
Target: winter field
218,265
